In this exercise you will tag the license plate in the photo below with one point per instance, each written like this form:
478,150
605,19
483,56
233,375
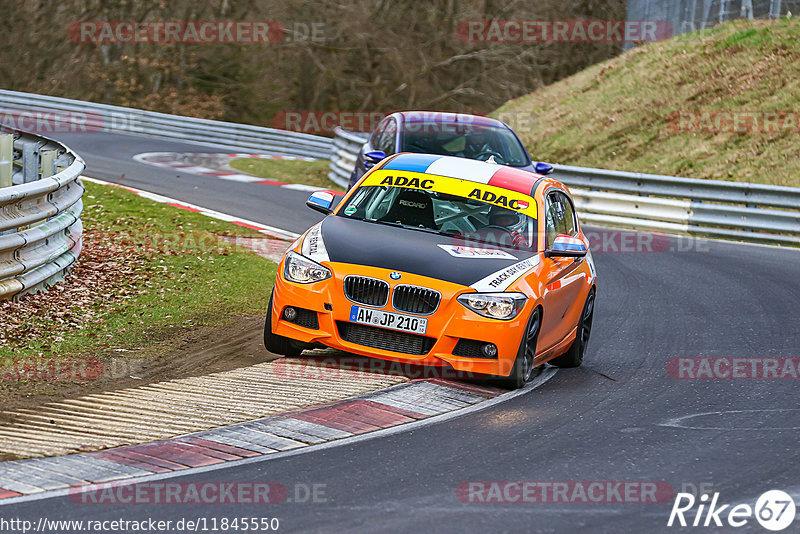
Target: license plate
390,320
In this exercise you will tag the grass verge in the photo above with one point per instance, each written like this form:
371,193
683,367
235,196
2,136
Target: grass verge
148,274
287,170
617,114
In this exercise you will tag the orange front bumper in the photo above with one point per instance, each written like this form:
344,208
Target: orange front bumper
449,323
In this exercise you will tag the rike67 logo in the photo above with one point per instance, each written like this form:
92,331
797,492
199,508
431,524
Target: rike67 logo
774,510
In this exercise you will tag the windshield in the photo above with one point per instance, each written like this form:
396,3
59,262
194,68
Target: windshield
452,215
464,140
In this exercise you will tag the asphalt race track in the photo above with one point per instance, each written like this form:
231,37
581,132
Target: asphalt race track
620,417
108,157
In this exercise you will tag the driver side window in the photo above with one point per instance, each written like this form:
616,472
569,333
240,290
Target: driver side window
386,142
377,135
554,218
569,216
559,217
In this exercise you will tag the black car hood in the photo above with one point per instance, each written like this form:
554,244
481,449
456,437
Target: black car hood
411,251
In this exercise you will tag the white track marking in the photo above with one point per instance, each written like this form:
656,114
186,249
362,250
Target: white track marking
268,230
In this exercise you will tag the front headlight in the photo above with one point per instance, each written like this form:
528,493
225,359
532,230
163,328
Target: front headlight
300,269
494,305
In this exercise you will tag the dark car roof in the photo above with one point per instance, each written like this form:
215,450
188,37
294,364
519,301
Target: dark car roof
449,117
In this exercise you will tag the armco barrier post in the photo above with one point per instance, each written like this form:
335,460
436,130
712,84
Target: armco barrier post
48,163
30,161
6,159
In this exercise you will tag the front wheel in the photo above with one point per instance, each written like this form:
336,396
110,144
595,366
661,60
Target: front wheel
278,344
522,371
574,355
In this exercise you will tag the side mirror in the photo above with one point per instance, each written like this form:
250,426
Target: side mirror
321,201
371,158
565,246
544,168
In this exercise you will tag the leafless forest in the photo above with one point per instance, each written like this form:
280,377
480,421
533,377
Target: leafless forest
366,55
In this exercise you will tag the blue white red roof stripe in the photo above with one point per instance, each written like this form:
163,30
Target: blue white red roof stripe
463,169
503,176
411,162
515,180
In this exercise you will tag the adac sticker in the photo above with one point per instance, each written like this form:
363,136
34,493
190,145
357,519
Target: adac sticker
453,186
473,252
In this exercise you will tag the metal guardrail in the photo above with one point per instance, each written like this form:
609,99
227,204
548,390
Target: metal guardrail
728,210
77,115
690,15
40,207
749,212
343,156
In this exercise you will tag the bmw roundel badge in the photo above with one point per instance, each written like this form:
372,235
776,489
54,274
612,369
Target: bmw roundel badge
395,276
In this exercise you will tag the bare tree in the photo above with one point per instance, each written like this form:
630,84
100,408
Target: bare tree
371,55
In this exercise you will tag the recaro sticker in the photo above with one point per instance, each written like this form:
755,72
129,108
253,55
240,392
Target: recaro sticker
454,186
473,252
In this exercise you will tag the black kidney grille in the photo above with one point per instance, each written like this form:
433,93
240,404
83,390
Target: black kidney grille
414,299
367,291
380,338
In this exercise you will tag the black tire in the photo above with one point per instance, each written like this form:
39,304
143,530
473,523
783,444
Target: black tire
523,370
279,344
574,355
